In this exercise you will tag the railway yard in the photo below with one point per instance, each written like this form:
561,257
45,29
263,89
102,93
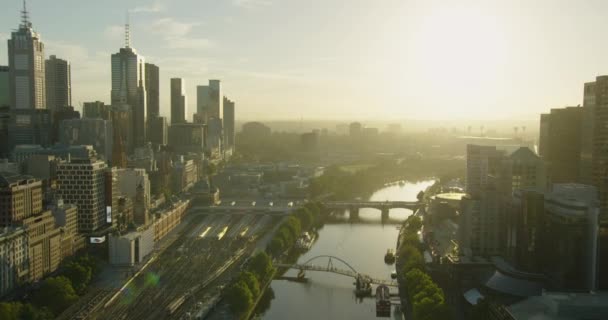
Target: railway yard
185,280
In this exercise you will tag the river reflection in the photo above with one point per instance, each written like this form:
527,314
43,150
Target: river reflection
362,245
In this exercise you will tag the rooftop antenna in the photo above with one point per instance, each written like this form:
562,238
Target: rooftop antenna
25,16
127,32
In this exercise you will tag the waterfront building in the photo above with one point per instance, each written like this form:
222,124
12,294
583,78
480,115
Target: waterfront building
209,100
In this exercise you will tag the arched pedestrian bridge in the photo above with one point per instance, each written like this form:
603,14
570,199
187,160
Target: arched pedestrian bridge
384,206
325,263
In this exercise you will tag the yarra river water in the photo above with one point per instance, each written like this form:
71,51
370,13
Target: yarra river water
362,245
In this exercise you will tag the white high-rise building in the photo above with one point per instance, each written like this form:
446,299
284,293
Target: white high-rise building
129,88
27,83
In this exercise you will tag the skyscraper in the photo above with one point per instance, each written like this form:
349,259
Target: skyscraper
562,144
129,88
159,130
5,97
595,139
209,100
178,101
229,123
152,89
58,83
26,64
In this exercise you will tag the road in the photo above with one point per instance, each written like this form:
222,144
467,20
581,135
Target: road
203,259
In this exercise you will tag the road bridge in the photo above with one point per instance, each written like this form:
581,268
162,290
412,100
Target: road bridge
384,206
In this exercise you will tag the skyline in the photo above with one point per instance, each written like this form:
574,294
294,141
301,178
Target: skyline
520,58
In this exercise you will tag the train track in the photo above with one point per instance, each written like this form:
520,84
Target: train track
185,274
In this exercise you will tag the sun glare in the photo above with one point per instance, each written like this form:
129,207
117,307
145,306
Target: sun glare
455,61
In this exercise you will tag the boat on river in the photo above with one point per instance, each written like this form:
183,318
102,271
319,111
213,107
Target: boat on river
389,257
383,302
305,241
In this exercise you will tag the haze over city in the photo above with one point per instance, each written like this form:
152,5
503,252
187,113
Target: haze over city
267,159
337,59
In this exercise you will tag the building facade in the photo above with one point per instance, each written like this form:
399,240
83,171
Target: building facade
96,109
179,102
20,198
158,133
229,123
128,89
152,90
58,83
562,145
95,132
27,78
209,100
5,96
14,268
82,182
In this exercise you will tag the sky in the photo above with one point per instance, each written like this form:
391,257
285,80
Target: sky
338,59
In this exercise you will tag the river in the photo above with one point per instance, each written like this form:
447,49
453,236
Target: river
362,245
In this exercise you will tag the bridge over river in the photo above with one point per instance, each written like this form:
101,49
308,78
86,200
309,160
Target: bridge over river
328,266
384,206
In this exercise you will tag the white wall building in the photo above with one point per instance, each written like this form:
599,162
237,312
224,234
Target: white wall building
131,248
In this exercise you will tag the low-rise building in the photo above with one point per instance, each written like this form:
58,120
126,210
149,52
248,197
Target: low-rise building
131,248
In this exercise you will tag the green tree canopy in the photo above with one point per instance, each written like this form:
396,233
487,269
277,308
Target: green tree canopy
251,281
56,294
261,266
239,298
79,275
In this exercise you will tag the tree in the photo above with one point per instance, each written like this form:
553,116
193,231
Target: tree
276,246
413,258
294,227
10,310
251,281
56,294
79,275
261,266
414,224
239,298
29,312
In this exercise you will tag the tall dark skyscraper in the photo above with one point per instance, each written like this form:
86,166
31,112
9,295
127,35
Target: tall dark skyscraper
5,97
560,143
152,89
129,88
178,101
26,62
229,123
58,83
594,145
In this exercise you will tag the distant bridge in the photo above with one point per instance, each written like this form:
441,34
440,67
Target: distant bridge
329,267
384,206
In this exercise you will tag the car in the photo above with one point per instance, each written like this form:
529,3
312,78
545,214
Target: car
253,203
270,204
233,203
290,204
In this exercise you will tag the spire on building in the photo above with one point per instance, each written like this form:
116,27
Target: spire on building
25,17
127,33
